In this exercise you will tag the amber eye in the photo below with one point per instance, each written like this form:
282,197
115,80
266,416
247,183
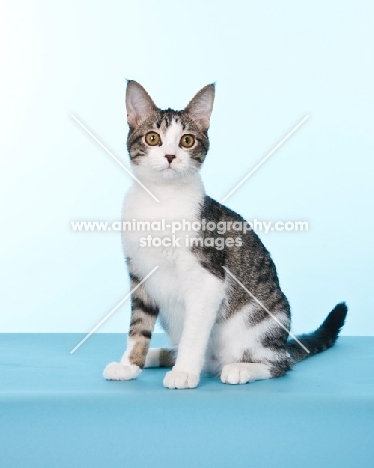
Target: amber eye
152,138
187,141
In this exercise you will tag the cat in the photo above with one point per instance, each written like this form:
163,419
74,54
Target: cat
222,308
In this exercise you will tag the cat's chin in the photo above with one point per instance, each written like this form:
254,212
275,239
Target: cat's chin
170,173
164,175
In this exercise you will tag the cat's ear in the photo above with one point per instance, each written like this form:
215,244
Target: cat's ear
201,105
139,104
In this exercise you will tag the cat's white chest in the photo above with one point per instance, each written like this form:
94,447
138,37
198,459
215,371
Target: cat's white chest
159,240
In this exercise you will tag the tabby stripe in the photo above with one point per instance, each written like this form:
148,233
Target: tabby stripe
202,144
134,278
197,158
135,140
146,334
137,303
167,357
135,322
137,155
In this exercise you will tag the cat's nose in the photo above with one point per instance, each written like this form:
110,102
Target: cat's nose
170,157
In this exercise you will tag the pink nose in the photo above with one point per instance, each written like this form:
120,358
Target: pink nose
170,157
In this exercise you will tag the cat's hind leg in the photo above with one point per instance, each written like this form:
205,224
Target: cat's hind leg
243,372
160,357
259,352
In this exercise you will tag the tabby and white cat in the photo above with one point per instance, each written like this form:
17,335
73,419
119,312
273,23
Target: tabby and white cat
214,325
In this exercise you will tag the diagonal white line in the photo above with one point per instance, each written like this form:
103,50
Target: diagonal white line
114,157
265,158
267,310
113,310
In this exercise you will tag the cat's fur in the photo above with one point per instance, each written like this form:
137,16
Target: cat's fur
212,322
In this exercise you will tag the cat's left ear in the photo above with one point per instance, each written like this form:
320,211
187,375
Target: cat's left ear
201,105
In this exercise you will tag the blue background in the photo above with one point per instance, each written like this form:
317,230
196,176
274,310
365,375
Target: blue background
273,64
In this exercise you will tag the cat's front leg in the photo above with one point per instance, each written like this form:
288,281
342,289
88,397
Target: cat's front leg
203,297
143,317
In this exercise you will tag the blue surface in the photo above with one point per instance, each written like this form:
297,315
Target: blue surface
56,410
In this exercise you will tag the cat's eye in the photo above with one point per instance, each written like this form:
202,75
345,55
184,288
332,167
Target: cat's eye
187,141
152,138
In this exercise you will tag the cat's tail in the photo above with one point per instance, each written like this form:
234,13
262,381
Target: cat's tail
321,339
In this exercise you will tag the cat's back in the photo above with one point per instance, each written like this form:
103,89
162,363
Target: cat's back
229,223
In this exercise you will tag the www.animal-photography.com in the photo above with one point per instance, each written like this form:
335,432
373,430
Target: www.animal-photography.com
187,230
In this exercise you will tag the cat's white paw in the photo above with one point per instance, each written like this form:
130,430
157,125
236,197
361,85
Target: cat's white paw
118,371
236,373
177,379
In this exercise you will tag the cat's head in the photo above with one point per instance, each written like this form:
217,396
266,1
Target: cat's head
166,144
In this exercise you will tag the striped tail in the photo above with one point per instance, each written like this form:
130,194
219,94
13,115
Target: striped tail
323,338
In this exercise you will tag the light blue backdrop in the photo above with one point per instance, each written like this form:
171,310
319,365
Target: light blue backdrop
274,62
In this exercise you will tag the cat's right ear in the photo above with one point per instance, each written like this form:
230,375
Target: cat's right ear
139,104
